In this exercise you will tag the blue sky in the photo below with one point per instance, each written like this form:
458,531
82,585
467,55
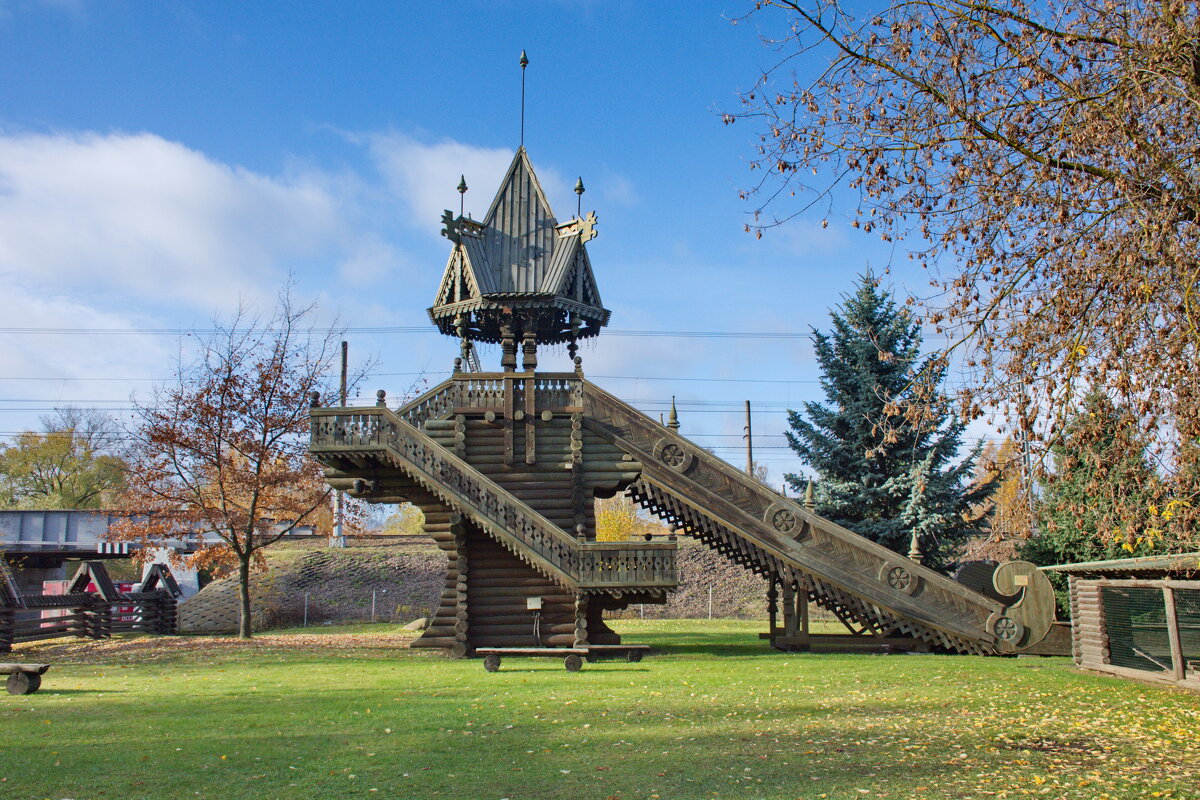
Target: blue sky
160,161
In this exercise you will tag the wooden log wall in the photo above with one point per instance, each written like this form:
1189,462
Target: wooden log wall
497,591
557,485
439,522
1089,635
557,468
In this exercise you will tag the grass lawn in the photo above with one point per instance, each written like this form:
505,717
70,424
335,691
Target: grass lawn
351,713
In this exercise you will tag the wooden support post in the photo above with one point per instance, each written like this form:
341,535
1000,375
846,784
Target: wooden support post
529,351
581,623
802,599
789,610
772,604
462,607
510,400
7,632
1177,663
530,417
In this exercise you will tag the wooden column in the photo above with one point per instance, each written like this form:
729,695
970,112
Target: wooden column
581,624
789,609
530,412
802,603
508,349
461,617
772,604
1177,664
510,400
7,623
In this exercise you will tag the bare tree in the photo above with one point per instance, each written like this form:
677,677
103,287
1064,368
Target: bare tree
1042,160
223,449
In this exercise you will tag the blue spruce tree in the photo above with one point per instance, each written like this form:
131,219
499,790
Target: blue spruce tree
884,451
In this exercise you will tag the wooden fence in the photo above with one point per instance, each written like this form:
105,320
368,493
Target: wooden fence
97,613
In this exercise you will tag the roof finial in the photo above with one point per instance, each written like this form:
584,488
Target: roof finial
462,190
579,190
808,496
914,548
524,64
673,417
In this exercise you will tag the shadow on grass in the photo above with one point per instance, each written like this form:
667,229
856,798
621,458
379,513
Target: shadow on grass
587,668
707,644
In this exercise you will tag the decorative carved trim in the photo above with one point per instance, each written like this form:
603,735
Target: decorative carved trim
674,455
1008,631
899,577
786,521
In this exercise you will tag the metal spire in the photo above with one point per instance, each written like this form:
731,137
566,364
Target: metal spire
524,64
579,190
462,191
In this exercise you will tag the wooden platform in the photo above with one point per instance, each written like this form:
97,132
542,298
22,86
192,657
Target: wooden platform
572,656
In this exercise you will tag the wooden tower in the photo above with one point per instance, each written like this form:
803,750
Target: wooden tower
524,568
506,466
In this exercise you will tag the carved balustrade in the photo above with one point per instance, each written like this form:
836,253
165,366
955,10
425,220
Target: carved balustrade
588,565
781,535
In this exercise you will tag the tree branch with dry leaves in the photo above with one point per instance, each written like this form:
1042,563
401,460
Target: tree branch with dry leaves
223,450
1042,161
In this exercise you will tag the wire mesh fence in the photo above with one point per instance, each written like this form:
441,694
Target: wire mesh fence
1135,620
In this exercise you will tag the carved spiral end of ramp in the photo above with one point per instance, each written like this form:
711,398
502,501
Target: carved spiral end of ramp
1030,603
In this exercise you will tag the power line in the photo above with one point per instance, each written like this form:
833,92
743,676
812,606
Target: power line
396,329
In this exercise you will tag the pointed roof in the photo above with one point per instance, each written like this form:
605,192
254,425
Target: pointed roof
519,236
519,257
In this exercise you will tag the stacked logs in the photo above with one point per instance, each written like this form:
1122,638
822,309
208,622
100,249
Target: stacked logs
498,591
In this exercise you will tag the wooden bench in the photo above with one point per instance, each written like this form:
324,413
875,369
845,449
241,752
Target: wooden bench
572,656
23,678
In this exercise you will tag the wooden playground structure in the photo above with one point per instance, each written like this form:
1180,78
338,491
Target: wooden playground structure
84,613
506,467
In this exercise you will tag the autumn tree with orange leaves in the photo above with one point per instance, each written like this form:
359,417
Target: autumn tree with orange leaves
224,447
1042,161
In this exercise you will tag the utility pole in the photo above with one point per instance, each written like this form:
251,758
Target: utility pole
339,499
749,444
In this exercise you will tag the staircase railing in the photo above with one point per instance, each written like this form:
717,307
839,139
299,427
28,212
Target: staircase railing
788,534
575,562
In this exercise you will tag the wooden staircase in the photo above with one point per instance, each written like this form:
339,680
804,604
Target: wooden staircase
497,463
806,557
501,549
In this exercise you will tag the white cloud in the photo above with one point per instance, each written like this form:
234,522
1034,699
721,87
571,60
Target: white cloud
425,176
41,371
142,217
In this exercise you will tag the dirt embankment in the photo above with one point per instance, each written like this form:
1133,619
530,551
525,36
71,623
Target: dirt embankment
406,581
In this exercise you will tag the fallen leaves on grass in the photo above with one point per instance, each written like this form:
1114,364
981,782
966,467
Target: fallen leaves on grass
157,649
